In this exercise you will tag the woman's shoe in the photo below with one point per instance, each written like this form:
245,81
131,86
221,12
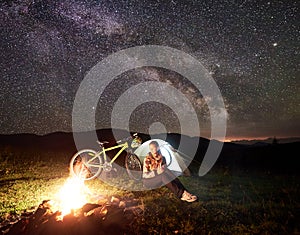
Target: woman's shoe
186,196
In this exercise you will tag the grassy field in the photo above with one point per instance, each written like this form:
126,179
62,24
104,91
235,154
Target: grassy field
229,202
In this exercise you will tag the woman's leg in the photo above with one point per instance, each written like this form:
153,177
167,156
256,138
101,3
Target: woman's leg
169,179
173,183
154,182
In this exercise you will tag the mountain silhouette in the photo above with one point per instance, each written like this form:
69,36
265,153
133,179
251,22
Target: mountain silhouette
279,158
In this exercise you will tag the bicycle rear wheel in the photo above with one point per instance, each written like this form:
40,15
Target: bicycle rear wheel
86,164
133,166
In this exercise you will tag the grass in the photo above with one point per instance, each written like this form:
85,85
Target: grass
229,202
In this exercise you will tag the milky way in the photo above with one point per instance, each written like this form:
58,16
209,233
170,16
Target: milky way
251,49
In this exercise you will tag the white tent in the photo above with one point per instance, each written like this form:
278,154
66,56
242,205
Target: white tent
174,159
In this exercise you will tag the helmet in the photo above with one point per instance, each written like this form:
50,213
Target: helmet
136,142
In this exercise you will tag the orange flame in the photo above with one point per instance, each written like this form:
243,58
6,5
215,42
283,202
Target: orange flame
72,196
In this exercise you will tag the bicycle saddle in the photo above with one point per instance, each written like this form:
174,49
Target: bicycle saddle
102,143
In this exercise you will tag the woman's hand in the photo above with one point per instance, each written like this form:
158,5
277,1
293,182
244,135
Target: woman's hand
157,157
148,163
153,162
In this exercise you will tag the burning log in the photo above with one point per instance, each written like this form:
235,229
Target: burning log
115,216
77,211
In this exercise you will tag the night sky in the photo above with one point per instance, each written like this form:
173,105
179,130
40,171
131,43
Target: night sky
250,48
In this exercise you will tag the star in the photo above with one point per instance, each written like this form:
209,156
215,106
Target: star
48,47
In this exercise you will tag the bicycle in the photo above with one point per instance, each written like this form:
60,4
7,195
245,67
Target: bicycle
88,163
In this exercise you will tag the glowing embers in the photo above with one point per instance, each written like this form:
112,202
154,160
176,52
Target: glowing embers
73,195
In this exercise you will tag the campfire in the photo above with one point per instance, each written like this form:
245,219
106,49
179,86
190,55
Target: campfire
76,210
72,196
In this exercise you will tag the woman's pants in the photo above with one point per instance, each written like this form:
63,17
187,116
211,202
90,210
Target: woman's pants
166,178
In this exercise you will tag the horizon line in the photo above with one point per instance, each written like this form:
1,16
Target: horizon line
227,139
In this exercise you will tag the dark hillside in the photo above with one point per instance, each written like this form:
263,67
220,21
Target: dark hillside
277,158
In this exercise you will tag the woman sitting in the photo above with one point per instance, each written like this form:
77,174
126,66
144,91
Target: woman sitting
156,174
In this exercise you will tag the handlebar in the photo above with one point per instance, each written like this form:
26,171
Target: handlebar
102,143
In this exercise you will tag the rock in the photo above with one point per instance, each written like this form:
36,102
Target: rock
113,217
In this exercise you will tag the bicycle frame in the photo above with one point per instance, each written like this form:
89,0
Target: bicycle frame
104,150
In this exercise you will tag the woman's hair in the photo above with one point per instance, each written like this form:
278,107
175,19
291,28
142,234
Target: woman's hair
154,143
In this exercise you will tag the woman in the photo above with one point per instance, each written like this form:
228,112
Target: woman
156,174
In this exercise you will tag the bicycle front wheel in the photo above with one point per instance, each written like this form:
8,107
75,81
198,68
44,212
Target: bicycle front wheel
133,166
86,164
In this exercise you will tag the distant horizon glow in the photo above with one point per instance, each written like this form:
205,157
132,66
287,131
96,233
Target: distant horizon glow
249,138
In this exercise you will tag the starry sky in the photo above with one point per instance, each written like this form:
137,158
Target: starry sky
250,48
